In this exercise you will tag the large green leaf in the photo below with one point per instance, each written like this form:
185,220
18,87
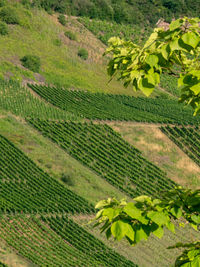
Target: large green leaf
195,88
131,210
158,217
140,234
146,87
176,211
111,213
120,228
159,232
142,199
196,218
152,60
190,38
175,24
174,44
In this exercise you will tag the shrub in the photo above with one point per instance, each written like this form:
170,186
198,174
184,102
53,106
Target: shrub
26,3
3,28
83,53
3,3
57,42
9,15
62,19
31,62
67,179
71,35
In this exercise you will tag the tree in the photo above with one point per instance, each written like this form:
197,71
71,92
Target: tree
175,51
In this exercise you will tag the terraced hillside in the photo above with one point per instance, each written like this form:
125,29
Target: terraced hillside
101,149
60,151
116,107
26,189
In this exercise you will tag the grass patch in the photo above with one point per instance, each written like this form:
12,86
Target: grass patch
159,149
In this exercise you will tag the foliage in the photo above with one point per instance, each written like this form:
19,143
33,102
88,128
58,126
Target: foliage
144,216
105,152
57,42
31,62
62,19
116,107
146,12
3,28
26,3
9,15
83,53
3,3
67,179
51,5
185,138
175,51
71,35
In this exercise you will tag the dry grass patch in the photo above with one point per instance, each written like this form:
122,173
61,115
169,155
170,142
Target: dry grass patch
159,149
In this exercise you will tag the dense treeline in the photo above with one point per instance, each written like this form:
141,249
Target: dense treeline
123,11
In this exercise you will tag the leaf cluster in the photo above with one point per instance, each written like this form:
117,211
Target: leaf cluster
174,51
144,216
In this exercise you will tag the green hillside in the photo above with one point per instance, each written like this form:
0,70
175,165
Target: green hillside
40,34
69,138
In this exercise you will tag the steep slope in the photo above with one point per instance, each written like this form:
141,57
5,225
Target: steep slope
41,34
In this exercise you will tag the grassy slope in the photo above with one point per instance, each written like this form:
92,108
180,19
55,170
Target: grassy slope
53,160
162,151
60,64
9,256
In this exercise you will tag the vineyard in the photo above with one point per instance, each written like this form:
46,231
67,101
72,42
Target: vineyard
117,107
188,139
28,189
105,152
61,243
19,101
169,84
104,30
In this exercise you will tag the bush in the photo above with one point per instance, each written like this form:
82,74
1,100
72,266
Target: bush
62,19
57,42
31,62
67,179
71,35
3,3
9,15
3,28
83,53
26,3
